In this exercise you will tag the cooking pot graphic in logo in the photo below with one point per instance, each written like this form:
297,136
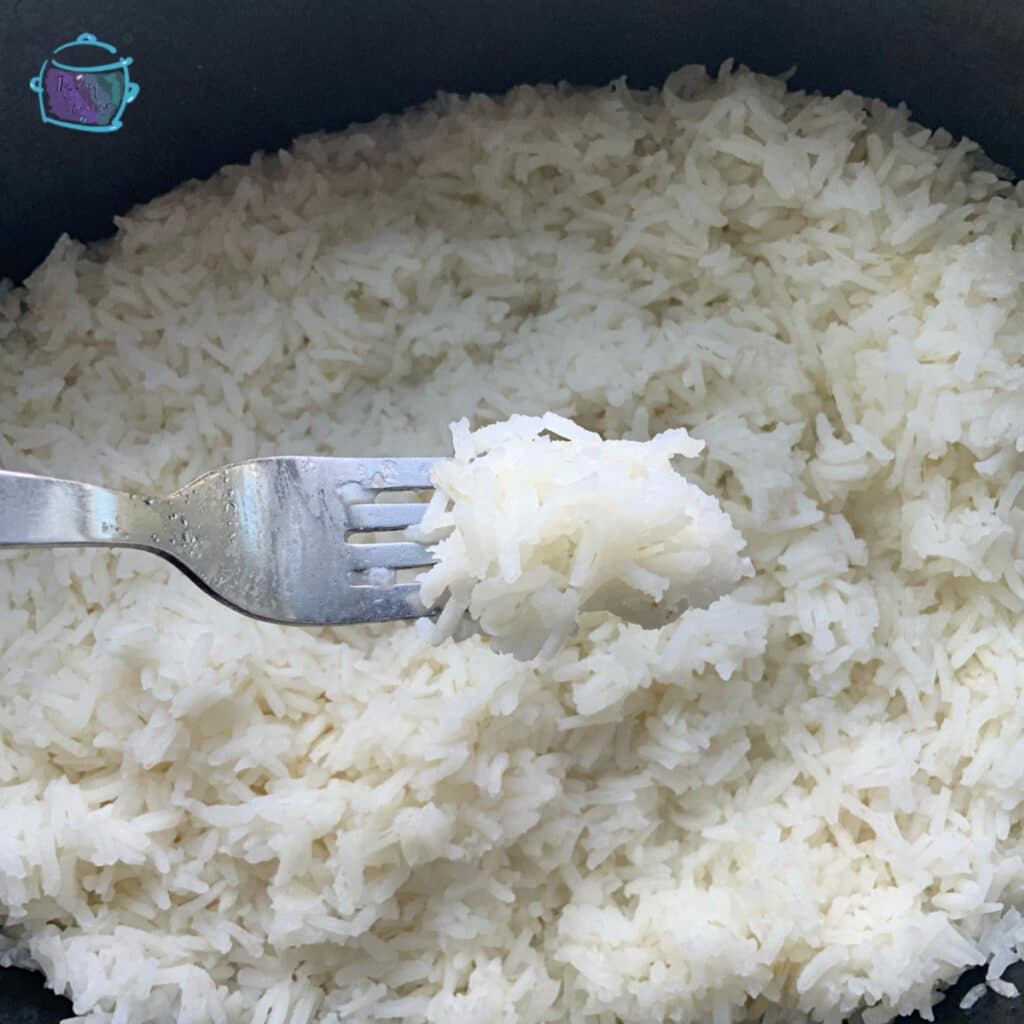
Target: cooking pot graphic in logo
86,89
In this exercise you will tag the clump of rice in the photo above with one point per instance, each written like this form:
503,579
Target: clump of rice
800,803
530,531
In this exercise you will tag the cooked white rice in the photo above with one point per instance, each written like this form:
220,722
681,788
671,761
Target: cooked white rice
535,520
802,801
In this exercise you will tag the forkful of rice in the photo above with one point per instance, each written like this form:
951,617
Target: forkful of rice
532,522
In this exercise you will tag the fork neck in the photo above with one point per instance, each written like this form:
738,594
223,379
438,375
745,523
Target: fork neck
38,511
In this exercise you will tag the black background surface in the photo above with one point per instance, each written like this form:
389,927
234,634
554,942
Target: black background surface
220,78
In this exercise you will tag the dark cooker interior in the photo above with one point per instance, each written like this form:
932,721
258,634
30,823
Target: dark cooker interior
219,80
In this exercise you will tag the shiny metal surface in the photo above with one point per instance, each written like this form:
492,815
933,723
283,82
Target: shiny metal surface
267,537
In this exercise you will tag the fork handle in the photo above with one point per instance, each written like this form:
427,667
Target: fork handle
42,511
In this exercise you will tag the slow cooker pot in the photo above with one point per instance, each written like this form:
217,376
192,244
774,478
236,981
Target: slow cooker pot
222,80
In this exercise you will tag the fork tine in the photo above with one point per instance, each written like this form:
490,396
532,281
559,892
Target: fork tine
374,604
405,474
367,518
387,556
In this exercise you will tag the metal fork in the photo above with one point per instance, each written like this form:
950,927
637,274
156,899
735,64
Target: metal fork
269,537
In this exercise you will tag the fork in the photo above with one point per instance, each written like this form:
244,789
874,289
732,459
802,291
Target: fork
276,539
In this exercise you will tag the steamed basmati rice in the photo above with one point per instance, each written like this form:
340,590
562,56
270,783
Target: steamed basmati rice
530,531
801,802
